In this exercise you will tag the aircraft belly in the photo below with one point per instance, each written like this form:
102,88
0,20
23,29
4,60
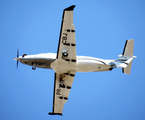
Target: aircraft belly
91,66
62,67
42,63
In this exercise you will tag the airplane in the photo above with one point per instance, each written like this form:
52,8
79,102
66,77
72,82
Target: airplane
65,63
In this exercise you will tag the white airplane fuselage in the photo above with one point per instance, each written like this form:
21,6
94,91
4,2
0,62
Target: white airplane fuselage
83,63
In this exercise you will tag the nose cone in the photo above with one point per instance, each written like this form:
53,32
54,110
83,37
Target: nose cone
16,59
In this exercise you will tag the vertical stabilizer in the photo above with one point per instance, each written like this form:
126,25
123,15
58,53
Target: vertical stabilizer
127,69
128,52
128,48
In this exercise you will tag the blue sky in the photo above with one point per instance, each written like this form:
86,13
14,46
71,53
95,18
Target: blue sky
102,27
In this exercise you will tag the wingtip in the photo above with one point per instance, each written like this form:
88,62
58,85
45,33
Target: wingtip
50,113
71,8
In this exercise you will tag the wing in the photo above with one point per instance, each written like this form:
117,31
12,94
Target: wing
62,86
67,45
66,56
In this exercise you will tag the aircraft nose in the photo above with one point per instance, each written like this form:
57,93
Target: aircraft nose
16,59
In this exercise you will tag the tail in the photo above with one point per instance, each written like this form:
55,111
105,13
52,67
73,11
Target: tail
127,69
125,60
128,52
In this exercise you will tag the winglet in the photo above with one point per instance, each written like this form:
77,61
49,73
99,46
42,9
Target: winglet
71,8
54,113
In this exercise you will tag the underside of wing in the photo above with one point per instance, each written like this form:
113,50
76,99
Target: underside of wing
65,62
62,86
67,45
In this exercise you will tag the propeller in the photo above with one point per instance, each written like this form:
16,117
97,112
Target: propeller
17,57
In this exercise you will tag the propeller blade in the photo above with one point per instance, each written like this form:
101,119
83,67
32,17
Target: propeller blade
18,53
17,64
17,57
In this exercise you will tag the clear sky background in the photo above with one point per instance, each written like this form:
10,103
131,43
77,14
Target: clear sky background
102,27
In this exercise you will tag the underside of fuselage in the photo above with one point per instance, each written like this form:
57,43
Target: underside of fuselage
38,62
83,63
